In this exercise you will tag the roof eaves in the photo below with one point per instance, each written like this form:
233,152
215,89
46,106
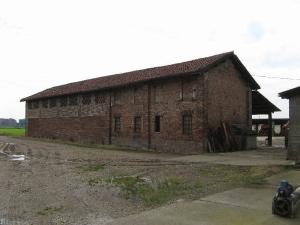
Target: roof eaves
253,84
290,93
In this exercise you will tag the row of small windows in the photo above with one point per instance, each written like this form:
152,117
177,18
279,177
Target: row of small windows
137,126
65,101
100,98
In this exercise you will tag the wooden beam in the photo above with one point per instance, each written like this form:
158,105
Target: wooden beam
270,131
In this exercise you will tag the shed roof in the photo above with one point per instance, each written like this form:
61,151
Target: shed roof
277,121
200,65
290,93
261,105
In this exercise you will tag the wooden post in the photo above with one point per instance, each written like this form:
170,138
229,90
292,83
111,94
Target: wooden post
149,116
270,131
110,119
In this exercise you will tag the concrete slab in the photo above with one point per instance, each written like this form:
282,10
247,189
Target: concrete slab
241,206
205,213
250,198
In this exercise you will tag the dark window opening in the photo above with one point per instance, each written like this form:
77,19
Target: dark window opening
117,98
63,102
137,124
157,90
187,124
36,104
86,99
194,93
73,100
45,103
52,102
117,124
134,95
157,124
99,98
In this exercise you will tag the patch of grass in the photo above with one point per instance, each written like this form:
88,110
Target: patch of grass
94,181
256,179
12,132
245,175
49,210
154,192
92,168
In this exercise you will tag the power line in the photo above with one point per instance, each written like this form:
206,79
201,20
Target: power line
281,78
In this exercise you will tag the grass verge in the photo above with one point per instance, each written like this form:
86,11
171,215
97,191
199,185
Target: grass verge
92,167
12,132
169,188
153,192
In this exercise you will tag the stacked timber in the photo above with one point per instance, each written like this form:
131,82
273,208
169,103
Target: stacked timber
226,138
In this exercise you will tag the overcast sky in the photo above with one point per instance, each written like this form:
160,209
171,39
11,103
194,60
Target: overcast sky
47,43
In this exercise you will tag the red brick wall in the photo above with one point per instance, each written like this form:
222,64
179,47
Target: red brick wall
82,123
134,102
85,129
220,94
90,123
172,106
229,96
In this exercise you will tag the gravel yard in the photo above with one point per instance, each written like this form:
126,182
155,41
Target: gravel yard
65,184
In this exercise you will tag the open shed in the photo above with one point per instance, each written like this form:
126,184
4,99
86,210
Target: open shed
262,106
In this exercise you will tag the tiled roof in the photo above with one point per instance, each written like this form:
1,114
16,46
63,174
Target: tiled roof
123,79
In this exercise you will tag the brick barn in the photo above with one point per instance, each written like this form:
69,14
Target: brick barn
168,108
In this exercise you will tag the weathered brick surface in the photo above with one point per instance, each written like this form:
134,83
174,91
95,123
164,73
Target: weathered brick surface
229,96
220,94
86,129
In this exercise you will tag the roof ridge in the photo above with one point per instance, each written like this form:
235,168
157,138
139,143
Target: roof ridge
142,75
150,68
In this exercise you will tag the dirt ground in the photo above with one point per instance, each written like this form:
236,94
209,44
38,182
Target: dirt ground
64,184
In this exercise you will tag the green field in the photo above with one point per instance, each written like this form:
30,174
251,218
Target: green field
12,132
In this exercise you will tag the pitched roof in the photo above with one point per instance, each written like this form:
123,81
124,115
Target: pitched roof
123,79
261,105
290,93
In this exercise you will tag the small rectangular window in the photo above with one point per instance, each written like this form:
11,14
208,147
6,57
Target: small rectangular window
137,124
36,104
157,90
99,98
157,124
63,101
187,124
86,99
52,102
134,95
73,100
194,93
117,124
117,98
45,103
